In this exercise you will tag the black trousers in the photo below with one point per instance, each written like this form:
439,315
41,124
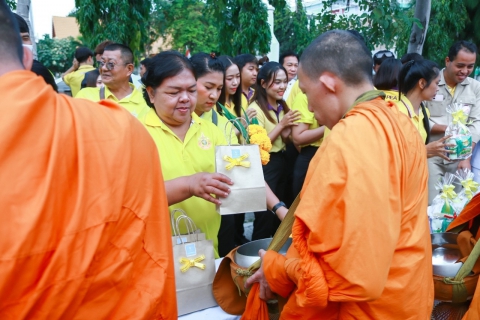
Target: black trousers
226,234
291,154
301,167
266,223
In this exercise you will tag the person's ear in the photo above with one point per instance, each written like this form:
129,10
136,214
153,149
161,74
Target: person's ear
328,80
447,61
130,68
422,83
151,94
27,58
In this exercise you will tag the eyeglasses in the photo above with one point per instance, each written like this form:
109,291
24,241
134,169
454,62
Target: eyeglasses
109,65
382,54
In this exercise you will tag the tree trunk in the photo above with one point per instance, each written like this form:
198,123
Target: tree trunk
418,36
23,10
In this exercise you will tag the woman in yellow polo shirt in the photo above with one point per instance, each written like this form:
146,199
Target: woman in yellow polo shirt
386,78
186,143
274,115
231,95
417,82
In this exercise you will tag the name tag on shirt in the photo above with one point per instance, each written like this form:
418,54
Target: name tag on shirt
438,97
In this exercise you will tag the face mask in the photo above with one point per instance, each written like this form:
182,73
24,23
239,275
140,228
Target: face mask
29,46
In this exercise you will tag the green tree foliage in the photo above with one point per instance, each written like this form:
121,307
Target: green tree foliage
12,4
242,25
448,19
56,54
472,26
123,21
380,23
187,23
292,28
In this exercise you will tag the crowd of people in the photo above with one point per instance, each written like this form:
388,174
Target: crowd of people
88,183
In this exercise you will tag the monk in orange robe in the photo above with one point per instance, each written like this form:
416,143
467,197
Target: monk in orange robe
361,244
85,230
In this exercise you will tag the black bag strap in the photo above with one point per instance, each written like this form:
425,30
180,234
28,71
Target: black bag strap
214,117
426,122
102,93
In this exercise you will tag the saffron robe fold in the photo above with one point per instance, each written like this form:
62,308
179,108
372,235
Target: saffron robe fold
361,243
85,231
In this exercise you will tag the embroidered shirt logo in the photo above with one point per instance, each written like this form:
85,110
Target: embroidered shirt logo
204,142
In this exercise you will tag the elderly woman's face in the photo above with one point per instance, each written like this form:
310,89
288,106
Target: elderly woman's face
175,98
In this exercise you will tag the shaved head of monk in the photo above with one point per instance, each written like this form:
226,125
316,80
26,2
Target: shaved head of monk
334,70
13,55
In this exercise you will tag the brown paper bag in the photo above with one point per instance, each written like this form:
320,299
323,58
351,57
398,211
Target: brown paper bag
242,164
194,266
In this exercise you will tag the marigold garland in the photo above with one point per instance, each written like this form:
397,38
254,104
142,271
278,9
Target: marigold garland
258,135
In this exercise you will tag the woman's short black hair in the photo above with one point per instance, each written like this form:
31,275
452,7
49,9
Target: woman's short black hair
387,74
164,65
91,78
203,64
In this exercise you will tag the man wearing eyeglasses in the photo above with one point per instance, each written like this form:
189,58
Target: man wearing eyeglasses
82,63
381,56
116,67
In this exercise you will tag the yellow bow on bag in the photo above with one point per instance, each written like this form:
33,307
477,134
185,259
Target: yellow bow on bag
470,187
459,116
237,161
188,263
448,193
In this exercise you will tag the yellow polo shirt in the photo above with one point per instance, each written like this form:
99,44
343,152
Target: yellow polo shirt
134,103
405,106
278,144
224,125
391,95
74,79
184,158
245,101
301,104
293,93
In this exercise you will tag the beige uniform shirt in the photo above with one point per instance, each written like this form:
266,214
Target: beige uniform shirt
466,92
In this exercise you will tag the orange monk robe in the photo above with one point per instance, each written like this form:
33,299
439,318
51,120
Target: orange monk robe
473,312
85,230
361,233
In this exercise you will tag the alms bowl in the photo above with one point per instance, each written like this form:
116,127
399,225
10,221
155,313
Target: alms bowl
247,254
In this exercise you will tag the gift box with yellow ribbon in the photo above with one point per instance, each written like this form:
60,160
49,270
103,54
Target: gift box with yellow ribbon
243,165
461,136
194,265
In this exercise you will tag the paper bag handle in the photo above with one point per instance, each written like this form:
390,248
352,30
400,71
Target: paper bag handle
189,224
244,133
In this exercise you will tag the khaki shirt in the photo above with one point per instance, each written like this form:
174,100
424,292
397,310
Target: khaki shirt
466,92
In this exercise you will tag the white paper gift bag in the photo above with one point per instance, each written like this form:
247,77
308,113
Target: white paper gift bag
194,266
243,165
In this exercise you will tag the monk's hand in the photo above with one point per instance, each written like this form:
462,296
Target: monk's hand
290,118
204,185
437,148
464,164
259,276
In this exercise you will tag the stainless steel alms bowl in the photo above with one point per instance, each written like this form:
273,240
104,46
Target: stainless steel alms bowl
445,254
247,254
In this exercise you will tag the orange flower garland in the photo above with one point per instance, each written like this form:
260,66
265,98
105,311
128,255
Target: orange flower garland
258,135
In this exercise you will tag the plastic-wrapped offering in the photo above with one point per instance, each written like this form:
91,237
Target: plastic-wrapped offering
470,187
444,206
461,136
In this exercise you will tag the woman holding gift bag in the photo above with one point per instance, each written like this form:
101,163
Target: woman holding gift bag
417,82
186,143
274,115
210,84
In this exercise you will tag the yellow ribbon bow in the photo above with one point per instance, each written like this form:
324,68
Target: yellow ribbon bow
188,263
448,193
237,161
470,187
459,116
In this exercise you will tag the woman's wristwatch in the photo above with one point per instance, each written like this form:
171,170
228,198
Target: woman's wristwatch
278,205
